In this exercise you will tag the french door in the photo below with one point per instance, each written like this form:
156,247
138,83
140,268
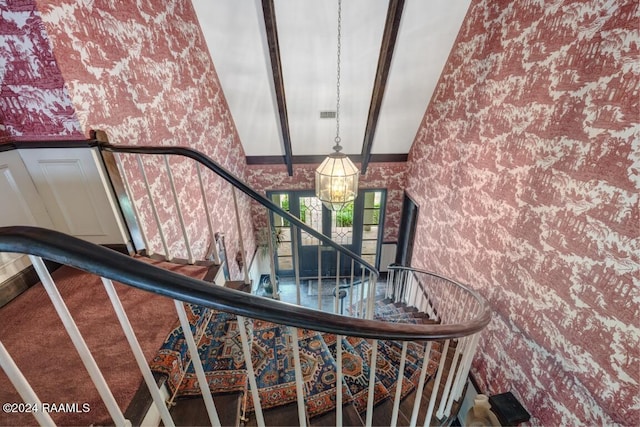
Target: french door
357,227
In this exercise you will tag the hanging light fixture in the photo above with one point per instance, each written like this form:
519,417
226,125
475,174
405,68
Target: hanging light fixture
337,176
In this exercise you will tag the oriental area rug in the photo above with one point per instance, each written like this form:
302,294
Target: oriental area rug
220,350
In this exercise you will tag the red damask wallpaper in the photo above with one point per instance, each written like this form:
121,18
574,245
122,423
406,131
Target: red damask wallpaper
527,171
142,73
34,103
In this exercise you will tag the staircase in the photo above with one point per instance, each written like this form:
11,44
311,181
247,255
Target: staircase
276,380
399,358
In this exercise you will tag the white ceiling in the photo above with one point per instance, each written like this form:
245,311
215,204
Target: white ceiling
307,34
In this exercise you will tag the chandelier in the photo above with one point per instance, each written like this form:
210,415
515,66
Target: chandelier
337,176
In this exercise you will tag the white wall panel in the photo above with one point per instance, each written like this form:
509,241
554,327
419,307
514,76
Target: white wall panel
20,204
387,256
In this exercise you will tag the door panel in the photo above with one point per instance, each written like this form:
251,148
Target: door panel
373,202
282,229
311,212
76,193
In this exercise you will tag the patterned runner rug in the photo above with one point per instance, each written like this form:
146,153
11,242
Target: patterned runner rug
272,357
220,351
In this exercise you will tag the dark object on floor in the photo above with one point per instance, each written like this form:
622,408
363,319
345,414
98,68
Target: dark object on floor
508,410
265,282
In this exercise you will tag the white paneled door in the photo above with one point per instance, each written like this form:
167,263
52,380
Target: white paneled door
76,193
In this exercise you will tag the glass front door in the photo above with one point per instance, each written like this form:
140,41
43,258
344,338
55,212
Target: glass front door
315,255
357,227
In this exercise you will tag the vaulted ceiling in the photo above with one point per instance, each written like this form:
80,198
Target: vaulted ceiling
277,64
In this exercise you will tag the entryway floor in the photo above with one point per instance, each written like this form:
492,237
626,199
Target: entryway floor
309,293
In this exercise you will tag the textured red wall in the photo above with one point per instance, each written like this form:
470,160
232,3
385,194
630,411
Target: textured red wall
379,175
142,73
34,103
527,171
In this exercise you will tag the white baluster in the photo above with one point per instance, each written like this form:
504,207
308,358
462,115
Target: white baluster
197,364
136,213
23,387
141,360
361,302
468,358
319,277
176,200
372,381
389,281
372,294
272,262
245,268
421,381
396,397
79,343
302,415
351,286
436,384
253,384
456,369
203,194
296,261
337,291
338,380
452,372
167,253
414,292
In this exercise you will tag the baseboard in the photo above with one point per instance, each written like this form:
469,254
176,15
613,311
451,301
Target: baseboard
120,247
17,284
141,410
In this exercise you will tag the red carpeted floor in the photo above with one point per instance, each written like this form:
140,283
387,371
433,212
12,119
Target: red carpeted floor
35,337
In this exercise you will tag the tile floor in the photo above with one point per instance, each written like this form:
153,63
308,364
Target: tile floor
326,302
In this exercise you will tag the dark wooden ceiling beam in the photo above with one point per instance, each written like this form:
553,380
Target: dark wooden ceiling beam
269,13
392,24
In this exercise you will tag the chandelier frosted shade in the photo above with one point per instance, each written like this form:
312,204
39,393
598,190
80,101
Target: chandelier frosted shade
336,181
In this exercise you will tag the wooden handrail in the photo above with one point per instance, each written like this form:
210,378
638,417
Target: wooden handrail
239,184
485,309
92,258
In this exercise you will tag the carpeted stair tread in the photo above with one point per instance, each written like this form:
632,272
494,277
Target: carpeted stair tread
406,406
356,373
219,349
393,315
400,319
420,315
193,412
272,357
386,370
412,364
350,417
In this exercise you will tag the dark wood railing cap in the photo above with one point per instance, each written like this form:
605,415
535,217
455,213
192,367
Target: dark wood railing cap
113,265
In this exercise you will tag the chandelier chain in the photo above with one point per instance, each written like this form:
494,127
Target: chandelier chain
338,74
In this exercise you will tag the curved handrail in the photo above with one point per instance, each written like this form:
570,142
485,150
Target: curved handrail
233,180
485,310
110,264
